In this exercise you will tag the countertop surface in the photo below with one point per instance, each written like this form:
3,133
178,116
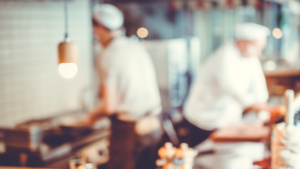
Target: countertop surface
232,155
5,167
282,73
238,150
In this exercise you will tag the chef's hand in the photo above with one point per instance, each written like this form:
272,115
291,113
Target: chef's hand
276,113
273,115
94,115
258,107
264,163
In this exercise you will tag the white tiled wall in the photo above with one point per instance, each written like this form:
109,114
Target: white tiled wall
30,86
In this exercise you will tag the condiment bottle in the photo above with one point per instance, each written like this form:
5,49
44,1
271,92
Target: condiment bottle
167,152
184,156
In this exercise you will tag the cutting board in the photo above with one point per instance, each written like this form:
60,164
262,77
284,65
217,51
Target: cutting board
242,132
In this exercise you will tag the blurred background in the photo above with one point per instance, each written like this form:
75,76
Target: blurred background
204,26
30,31
179,35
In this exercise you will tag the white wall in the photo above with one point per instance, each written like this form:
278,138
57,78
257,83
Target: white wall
30,86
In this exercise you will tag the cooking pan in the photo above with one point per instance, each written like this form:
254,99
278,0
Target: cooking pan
66,131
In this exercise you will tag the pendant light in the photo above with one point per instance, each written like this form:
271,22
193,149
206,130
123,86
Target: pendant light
67,52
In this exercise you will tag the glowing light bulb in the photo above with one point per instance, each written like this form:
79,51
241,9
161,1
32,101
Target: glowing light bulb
277,33
142,32
67,70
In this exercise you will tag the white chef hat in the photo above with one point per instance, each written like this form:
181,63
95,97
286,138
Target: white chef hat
251,31
108,16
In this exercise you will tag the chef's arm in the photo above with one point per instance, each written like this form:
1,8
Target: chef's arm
254,100
259,90
257,107
229,83
260,97
276,112
227,77
96,113
243,98
107,106
109,99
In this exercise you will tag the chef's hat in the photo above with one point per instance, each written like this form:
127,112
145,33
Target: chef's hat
108,16
251,31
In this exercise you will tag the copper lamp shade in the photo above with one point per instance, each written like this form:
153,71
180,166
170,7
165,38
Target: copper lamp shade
67,52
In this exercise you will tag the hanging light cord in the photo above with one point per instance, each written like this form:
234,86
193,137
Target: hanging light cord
66,20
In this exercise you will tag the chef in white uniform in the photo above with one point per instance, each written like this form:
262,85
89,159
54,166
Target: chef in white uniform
230,82
129,93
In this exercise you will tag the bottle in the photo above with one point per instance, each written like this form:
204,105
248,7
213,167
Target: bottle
179,159
297,110
184,157
167,152
290,113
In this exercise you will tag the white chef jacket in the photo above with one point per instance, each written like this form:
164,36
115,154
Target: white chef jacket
225,85
126,66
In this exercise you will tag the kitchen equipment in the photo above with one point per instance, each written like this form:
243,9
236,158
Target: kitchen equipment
24,138
39,143
67,128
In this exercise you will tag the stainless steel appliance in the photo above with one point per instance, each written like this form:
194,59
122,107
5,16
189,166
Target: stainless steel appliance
175,61
53,141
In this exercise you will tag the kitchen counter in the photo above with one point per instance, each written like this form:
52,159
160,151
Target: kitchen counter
9,167
232,155
234,147
282,73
